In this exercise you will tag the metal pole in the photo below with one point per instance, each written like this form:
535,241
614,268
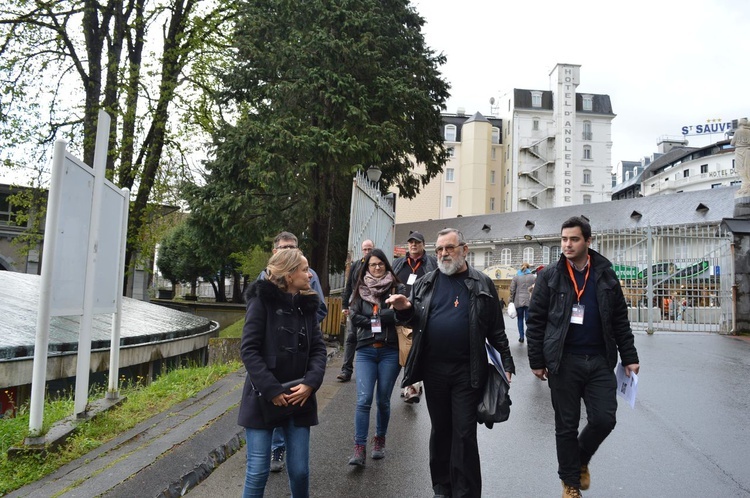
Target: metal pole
113,391
650,279
39,376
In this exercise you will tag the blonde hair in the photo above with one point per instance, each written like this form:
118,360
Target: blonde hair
525,266
282,264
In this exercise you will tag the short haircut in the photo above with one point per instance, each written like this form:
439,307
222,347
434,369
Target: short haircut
284,236
446,231
578,221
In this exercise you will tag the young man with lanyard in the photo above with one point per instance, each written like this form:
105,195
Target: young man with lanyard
409,269
577,322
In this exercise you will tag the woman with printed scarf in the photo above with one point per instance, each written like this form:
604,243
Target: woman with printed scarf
281,343
377,351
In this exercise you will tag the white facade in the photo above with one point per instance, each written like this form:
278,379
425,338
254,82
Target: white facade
558,144
693,173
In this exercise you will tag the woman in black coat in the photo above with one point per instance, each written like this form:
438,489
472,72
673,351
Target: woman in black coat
281,343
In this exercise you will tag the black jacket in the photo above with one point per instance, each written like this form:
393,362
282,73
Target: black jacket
552,304
485,322
362,313
430,263
351,281
281,341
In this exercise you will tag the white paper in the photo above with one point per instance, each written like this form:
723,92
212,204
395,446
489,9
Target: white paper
627,387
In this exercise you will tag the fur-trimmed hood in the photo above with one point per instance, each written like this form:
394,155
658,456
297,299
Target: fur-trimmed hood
271,294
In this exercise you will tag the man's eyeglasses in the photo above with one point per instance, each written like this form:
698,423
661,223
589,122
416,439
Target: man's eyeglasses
449,248
288,246
376,265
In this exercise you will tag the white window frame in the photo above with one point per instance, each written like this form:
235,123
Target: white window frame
492,203
587,135
586,198
587,177
470,258
448,201
505,255
492,177
528,255
450,174
587,152
495,135
588,102
451,151
450,133
535,124
536,99
545,255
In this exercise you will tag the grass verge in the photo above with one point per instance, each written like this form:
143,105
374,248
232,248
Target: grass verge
143,402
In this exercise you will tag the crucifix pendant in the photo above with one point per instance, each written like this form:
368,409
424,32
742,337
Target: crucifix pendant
455,303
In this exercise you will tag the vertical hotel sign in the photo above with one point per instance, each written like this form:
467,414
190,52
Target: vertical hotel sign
565,110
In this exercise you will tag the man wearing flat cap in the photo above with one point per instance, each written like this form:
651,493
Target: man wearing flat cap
409,269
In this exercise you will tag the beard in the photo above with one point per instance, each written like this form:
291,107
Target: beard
450,265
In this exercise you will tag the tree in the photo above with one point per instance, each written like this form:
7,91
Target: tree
62,61
323,88
182,258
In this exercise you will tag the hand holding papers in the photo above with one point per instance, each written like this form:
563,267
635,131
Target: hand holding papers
627,387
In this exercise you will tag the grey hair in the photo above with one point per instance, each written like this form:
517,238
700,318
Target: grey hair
446,231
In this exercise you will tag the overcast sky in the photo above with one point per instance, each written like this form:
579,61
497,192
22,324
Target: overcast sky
665,64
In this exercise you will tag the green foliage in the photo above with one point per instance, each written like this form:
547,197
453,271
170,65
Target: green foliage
142,403
234,330
252,262
182,256
322,89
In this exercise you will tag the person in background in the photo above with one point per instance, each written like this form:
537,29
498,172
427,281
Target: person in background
578,321
347,368
281,342
409,269
287,240
377,352
519,295
453,312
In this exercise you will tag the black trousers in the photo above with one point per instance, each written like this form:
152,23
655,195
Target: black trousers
350,345
454,453
588,378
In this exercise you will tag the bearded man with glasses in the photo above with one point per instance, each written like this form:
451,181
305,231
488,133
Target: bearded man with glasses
452,312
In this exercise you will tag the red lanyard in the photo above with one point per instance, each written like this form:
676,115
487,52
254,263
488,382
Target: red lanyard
579,293
413,269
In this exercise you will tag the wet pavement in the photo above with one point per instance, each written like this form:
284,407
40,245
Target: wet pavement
689,434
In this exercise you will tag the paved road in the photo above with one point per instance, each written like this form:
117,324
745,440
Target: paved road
689,435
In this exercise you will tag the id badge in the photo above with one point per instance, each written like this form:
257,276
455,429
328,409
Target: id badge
412,278
375,325
577,316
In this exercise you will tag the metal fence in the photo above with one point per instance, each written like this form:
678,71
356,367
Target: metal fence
673,277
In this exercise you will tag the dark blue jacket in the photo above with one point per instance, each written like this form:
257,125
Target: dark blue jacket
281,341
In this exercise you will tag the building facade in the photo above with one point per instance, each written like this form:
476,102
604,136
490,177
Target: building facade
559,149
470,183
546,148
676,169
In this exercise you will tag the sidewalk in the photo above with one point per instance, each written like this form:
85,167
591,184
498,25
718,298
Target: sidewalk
166,455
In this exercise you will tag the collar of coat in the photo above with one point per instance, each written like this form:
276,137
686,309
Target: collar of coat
271,294
597,261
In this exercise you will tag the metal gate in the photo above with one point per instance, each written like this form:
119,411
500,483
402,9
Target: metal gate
673,277
372,217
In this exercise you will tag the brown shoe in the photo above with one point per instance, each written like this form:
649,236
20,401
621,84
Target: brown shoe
571,492
585,477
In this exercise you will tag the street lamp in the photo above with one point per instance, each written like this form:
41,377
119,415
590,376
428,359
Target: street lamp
374,173
531,237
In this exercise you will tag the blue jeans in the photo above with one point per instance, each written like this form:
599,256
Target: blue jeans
278,439
374,365
259,460
522,312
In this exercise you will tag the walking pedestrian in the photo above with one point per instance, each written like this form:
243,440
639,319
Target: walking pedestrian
519,295
453,312
377,352
350,343
281,342
287,240
578,321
